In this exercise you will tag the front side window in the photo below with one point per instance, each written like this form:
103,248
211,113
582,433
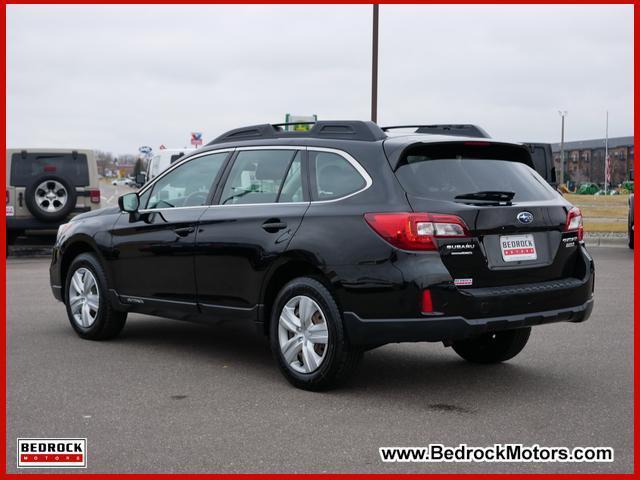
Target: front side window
334,177
188,185
257,177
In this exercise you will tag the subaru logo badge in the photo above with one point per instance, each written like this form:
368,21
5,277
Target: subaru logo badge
525,217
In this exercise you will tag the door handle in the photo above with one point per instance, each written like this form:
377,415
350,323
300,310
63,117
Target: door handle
184,231
273,225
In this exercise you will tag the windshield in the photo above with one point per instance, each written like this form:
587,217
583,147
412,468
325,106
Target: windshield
26,169
445,179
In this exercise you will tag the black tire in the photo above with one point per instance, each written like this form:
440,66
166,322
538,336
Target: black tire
493,347
37,211
108,322
340,361
631,238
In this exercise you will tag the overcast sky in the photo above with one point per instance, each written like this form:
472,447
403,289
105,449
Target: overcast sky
117,77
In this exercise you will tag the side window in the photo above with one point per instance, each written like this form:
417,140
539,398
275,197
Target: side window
188,185
256,176
333,176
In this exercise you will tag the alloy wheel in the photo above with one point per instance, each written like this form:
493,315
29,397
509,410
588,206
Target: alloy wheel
51,196
303,334
84,297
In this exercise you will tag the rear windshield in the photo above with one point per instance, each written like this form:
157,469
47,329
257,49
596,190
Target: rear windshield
444,179
25,170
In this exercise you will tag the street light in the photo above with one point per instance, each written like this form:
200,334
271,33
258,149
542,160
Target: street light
374,67
563,113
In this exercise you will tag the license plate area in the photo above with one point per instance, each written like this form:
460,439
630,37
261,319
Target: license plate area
516,248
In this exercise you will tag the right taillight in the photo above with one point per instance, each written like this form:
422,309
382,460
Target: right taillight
416,231
574,222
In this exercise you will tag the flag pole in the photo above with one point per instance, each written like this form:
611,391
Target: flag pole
606,153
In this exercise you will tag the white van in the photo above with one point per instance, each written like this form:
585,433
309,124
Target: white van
163,160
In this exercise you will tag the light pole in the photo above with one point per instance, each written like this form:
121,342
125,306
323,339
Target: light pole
374,67
563,113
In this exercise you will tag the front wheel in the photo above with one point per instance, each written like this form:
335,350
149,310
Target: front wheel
493,347
89,311
307,337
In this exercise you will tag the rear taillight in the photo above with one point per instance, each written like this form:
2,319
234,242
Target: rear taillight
574,222
416,231
94,195
7,197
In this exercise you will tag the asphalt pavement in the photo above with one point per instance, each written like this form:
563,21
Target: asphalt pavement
168,396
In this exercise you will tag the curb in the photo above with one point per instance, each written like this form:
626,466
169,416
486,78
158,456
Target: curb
606,241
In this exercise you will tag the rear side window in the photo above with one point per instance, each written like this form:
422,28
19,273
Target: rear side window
333,176
257,177
26,170
444,179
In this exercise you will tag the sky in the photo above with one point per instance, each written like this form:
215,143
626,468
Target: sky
117,77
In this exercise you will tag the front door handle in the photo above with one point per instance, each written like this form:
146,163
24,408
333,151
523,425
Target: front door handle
184,231
274,225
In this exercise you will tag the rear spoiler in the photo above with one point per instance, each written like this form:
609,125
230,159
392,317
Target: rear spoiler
470,148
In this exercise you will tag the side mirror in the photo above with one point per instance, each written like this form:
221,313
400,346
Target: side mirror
129,203
141,178
553,175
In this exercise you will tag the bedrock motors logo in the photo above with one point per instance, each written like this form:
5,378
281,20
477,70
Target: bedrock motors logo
52,453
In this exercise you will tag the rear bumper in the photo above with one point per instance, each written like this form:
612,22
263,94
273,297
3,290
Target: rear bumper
375,332
32,223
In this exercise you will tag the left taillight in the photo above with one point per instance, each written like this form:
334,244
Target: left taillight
574,222
416,231
94,195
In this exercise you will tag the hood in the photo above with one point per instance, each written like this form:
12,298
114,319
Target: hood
96,213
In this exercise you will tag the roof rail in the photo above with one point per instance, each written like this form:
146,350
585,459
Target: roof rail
459,130
334,129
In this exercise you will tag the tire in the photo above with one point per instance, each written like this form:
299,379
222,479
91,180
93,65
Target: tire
104,322
53,209
493,347
631,238
338,360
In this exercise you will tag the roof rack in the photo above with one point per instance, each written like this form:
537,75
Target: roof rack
337,130
459,130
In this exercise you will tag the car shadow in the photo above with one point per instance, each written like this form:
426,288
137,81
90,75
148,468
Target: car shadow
428,371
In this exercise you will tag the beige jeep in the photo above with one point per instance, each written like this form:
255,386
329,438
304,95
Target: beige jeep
46,187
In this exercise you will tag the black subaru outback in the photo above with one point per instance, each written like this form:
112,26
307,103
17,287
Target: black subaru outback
335,241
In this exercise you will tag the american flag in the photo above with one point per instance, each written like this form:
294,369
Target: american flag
607,169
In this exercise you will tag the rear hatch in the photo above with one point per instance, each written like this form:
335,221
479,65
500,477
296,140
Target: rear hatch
516,223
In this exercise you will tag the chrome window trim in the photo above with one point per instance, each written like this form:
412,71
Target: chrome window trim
354,163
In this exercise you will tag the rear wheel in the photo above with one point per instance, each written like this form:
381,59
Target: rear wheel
307,337
493,347
630,237
88,308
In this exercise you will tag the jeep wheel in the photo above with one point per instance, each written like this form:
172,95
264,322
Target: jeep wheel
88,309
307,337
493,347
50,198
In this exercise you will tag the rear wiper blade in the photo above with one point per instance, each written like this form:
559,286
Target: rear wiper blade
488,196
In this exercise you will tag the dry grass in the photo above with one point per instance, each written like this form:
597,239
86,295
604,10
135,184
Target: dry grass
602,213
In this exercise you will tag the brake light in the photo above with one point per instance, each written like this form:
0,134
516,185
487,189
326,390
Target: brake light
427,304
574,222
94,195
416,231
7,197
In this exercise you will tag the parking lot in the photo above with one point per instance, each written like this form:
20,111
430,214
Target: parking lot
168,396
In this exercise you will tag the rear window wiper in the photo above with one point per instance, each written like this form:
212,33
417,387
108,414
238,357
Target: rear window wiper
495,197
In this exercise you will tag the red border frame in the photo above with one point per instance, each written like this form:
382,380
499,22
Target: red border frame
3,305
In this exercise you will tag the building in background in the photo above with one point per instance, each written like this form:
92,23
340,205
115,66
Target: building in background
584,160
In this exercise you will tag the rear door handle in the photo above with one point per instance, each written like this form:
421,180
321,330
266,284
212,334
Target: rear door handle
184,231
273,225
